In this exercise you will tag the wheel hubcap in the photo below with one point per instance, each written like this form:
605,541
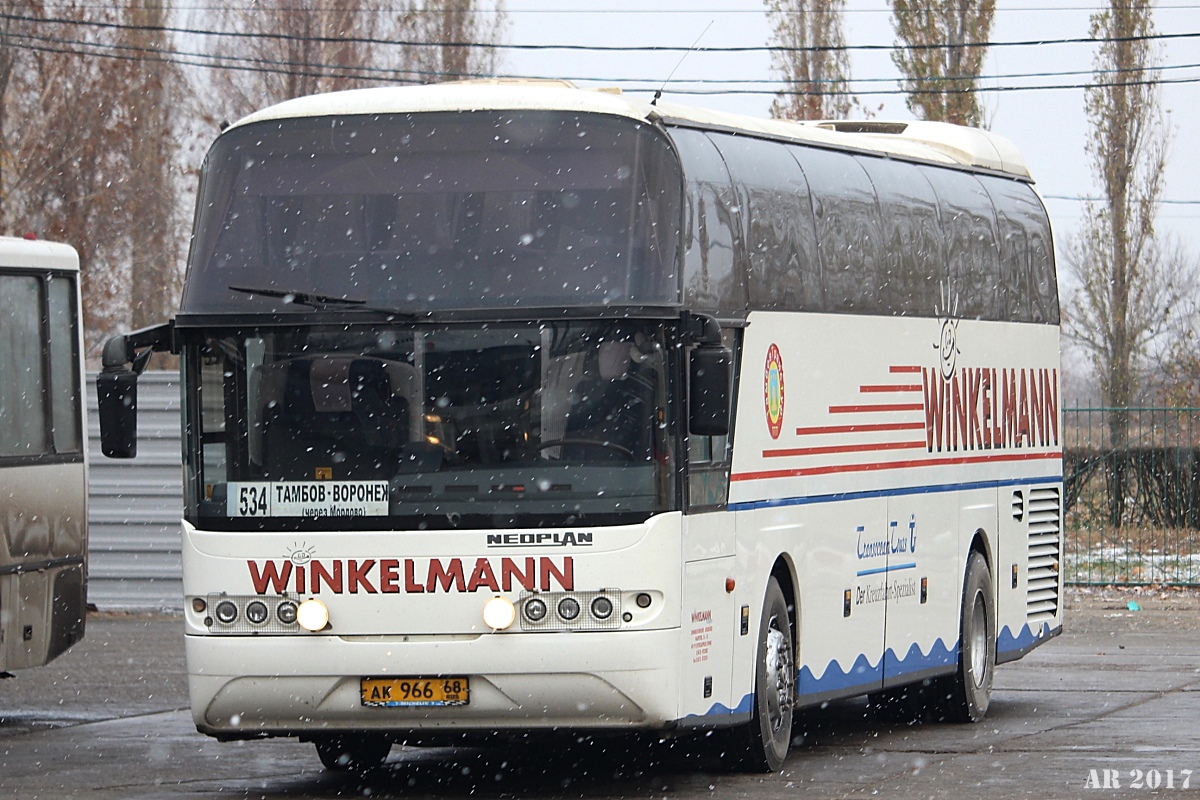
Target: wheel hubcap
779,690
979,643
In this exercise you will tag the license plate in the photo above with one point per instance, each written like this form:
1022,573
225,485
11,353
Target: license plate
398,692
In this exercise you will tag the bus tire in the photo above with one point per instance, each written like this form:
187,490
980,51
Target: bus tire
762,744
352,752
967,694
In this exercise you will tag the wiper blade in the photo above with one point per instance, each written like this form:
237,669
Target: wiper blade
320,301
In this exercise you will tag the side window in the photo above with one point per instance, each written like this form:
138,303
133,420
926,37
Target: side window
709,457
1027,282
969,231
65,391
913,265
22,391
777,223
711,278
849,231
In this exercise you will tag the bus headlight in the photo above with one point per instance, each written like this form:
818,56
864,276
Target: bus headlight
499,613
226,611
256,612
286,612
535,610
602,607
312,615
568,608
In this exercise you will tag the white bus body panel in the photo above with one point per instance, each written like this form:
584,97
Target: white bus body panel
855,462
416,626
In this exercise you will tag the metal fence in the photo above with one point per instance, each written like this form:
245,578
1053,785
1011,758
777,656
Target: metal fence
134,506
1132,495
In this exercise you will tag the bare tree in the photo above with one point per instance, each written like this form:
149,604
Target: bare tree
941,52
810,58
441,28
1127,289
300,47
1175,356
65,152
150,85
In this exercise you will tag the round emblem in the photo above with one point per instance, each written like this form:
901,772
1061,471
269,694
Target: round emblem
773,391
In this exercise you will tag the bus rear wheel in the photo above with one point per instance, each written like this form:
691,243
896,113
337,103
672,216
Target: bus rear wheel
352,752
762,744
965,696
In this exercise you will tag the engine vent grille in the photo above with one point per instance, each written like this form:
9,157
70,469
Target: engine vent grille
1044,513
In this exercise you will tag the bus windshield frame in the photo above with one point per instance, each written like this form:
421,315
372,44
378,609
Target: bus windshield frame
374,426
437,211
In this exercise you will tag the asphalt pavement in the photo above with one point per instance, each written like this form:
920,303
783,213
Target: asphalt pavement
1110,708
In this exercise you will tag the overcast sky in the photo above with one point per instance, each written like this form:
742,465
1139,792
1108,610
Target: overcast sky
1048,125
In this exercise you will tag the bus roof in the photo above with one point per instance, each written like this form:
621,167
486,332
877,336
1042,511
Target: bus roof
936,142
37,254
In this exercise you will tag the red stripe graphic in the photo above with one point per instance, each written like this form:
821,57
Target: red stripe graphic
907,387
844,448
867,409
885,465
905,370
862,427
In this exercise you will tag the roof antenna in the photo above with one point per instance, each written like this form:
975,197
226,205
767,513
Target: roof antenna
658,93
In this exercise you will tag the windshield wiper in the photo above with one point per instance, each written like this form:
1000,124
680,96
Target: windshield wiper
320,301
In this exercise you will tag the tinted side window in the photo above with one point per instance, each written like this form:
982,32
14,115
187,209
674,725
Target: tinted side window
849,233
969,233
1027,285
777,223
913,264
22,407
64,376
711,279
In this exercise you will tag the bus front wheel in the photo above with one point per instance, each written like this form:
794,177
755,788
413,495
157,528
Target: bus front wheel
352,753
762,744
967,694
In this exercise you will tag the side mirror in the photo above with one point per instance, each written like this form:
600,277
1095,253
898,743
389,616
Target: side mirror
116,394
124,358
709,390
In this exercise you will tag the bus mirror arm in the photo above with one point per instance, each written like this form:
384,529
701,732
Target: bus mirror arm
703,329
709,378
123,359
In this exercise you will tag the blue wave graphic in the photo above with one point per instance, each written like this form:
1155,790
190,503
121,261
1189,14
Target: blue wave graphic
1023,640
863,673
744,706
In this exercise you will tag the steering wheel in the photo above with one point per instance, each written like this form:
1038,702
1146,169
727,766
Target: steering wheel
616,448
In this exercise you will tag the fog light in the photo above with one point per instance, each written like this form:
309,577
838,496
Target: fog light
226,611
499,613
286,612
256,612
602,608
568,608
535,610
312,615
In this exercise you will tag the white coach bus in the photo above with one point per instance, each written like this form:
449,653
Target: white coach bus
43,461
523,407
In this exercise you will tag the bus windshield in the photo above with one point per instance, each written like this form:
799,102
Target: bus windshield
519,423
462,210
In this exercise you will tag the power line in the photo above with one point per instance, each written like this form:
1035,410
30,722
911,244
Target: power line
580,47
1085,199
377,74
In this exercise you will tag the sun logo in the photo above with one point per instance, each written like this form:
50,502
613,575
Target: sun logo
300,554
773,391
947,343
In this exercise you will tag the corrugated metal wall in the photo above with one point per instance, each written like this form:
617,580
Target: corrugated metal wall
136,505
